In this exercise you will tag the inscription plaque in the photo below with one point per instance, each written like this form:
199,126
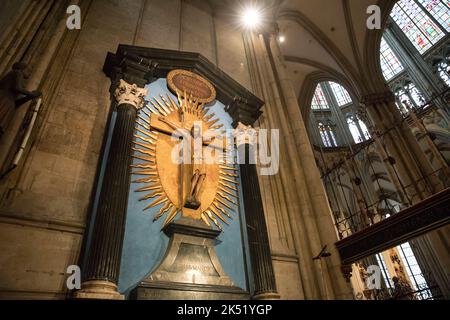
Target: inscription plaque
193,259
190,83
190,269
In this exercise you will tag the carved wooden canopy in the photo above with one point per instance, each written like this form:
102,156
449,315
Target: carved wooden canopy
141,66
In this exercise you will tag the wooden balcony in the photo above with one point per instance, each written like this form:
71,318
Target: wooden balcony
415,221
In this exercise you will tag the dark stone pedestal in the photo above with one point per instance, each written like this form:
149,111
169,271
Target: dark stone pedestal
190,269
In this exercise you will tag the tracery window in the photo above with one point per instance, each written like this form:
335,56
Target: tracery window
331,105
424,23
358,129
443,70
319,101
327,135
332,136
409,98
414,272
440,10
417,25
390,64
342,96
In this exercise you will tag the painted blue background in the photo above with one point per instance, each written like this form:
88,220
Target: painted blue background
145,244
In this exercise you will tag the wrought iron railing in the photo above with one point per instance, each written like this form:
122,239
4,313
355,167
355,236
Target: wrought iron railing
349,216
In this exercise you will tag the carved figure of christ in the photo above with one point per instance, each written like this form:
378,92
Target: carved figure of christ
192,167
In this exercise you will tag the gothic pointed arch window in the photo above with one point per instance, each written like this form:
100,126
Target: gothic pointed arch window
330,106
422,25
327,135
417,24
443,69
408,97
341,94
357,128
390,64
319,101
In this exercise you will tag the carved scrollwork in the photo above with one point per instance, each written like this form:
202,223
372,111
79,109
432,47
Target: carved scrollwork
130,94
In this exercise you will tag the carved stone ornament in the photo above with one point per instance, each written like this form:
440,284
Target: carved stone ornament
386,97
347,271
130,94
245,134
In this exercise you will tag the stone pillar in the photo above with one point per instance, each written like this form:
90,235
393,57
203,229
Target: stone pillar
415,173
102,266
299,198
261,259
318,217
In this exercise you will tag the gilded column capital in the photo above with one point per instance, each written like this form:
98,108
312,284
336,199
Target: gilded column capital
130,94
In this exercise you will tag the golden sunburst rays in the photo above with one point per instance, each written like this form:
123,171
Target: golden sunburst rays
226,200
191,105
145,164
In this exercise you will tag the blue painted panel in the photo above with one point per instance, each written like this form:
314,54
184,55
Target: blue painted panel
112,123
145,245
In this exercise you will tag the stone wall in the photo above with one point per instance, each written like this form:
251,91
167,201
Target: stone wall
45,201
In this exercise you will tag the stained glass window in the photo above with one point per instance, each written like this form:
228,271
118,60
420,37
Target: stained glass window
332,136
416,24
354,130
439,10
415,94
390,65
401,108
404,100
444,72
364,130
408,98
414,272
324,136
384,269
342,96
358,129
319,101
327,135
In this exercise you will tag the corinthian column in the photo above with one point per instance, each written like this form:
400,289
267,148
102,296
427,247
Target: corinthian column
102,265
264,277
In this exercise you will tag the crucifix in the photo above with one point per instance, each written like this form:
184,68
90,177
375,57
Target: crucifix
192,173
185,161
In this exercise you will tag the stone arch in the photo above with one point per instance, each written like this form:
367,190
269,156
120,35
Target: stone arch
374,74
313,79
326,43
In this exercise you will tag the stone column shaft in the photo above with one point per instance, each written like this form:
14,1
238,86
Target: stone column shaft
322,222
264,277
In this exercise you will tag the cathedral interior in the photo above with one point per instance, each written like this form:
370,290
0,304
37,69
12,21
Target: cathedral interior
356,206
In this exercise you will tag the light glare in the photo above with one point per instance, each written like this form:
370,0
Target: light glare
251,18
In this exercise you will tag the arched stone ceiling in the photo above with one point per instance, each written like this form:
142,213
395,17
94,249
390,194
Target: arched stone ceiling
301,43
299,72
330,35
329,17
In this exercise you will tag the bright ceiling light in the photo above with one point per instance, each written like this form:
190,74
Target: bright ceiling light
251,18
281,39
